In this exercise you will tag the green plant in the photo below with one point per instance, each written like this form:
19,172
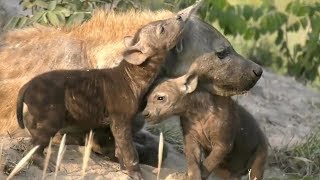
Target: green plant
62,12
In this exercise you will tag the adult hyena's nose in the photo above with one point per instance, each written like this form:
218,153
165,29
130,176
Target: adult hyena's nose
178,17
146,113
258,71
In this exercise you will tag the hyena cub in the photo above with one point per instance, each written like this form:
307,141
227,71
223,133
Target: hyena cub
226,133
99,98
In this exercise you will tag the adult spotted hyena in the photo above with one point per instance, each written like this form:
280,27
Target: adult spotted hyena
98,43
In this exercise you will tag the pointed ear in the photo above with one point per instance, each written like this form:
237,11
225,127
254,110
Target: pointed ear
179,46
188,83
128,41
187,12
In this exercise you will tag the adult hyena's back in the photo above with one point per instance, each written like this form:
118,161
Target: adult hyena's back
28,52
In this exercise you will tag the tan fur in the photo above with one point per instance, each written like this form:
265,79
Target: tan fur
28,52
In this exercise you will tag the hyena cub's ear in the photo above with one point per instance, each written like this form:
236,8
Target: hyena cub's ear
135,53
128,41
187,83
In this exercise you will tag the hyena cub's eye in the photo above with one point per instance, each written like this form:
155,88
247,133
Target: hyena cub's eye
160,98
160,29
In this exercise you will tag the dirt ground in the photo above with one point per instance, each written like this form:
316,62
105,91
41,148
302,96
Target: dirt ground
286,110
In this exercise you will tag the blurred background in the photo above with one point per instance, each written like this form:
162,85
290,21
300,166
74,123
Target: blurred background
280,35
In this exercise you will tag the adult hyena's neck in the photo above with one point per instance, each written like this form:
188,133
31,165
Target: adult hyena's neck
140,77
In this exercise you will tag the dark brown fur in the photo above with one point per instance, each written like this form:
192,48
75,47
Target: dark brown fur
104,144
228,135
96,98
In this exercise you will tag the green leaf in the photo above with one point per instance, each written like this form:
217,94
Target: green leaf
52,5
66,12
279,38
297,50
41,4
273,21
43,20
257,13
27,4
75,19
247,12
219,4
53,18
304,22
36,17
22,22
12,23
249,34
61,17
294,27
315,23
297,8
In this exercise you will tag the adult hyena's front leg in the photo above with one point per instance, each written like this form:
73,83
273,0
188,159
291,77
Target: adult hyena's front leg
121,128
48,122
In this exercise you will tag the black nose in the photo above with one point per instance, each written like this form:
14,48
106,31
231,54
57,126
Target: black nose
258,71
178,17
146,114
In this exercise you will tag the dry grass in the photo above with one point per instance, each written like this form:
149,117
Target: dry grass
1,149
61,151
160,154
301,160
22,162
47,159
87,152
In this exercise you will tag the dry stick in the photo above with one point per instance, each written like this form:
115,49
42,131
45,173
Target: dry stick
46,161
61,151
22,162
87,152
1,148
160,154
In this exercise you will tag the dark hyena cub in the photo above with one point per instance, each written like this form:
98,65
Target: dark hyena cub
229,136
98,98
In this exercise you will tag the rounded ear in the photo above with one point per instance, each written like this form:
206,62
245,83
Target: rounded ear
136,52
135,56
188,83
128,41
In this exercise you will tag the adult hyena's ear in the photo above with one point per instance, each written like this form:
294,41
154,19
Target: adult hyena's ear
179,46
135,53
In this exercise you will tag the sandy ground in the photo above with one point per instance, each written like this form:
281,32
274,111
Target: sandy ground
285,109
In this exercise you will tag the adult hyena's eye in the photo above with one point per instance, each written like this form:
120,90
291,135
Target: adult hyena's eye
160,98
